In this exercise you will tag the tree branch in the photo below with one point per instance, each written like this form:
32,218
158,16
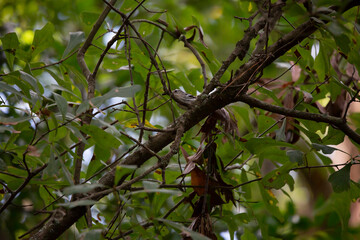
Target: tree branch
337,122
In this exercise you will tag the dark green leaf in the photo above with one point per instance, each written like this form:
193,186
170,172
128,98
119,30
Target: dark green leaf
248,235
354,191
14,121
338,203
271,94
10,44
76,38
61,104
340,180
333,137
43,39
271,202
83,107
146,29
6,87
179,227
66,172
280,134
253,144
94,234
102,138
122,171
33,82
77,133
53,164
296,156
322,62
279,177
89,17
5,160
325,149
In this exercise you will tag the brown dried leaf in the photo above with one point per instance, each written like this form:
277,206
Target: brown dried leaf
352,72
188,168
33,151
189,28
295,72
201,33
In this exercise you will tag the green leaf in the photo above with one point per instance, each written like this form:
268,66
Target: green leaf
83,107
122,92
243,112
246,189
55,87
340,180
78,203
61,104
101,153
115,92
66,172
271,202
123,171
128,6
274,154
253,144
179,227
210,59
232,224
89,17
43,39
115,63
6,87
271,94
321,64
78,77
102,138
94,166
94,234
81,188
333,137
14,121
248,235
76,132
45,196
296,156
325,149
58,133
53,164
339,32
76,38
280,134
33,82
340,204
279,177
10,44
146,29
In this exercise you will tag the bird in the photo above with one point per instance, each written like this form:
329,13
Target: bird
184,100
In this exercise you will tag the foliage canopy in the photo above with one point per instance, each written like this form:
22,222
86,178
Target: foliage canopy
93,144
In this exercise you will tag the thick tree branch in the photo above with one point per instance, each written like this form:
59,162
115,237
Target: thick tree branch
337,122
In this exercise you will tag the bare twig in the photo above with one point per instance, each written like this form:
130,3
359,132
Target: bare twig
21,187
198,57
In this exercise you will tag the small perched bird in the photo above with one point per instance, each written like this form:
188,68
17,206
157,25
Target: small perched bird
184,100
